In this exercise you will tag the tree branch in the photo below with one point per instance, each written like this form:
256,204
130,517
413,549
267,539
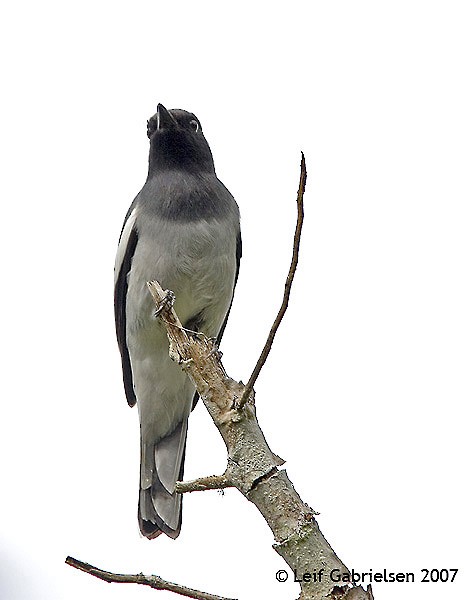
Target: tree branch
253,468
288,284
152,581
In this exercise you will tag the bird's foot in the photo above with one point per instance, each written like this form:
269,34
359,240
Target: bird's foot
215,350
167,302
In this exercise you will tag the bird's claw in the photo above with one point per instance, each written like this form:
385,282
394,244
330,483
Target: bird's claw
167,302
215,351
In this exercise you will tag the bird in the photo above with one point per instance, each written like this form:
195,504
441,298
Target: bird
182,229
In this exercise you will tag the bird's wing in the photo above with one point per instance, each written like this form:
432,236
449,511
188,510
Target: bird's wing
125,251
238,260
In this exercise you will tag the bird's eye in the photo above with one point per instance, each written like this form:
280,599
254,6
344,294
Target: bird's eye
194,125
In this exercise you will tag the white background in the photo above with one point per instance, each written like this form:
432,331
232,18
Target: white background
365,391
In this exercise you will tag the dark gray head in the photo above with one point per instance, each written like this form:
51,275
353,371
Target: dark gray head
177,142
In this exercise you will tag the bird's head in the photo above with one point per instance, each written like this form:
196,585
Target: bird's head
177,142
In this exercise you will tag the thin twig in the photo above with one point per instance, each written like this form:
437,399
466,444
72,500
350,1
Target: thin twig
152,581
288,284
212,482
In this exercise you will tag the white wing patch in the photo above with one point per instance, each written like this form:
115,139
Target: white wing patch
129,224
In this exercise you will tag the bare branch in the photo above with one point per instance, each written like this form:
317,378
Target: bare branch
288,285
212,482
152,581
253,468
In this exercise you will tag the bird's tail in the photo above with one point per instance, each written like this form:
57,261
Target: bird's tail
162,464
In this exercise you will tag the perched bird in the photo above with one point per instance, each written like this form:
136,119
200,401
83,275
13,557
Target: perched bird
183,230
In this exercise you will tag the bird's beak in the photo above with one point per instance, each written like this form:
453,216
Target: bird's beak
165,119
